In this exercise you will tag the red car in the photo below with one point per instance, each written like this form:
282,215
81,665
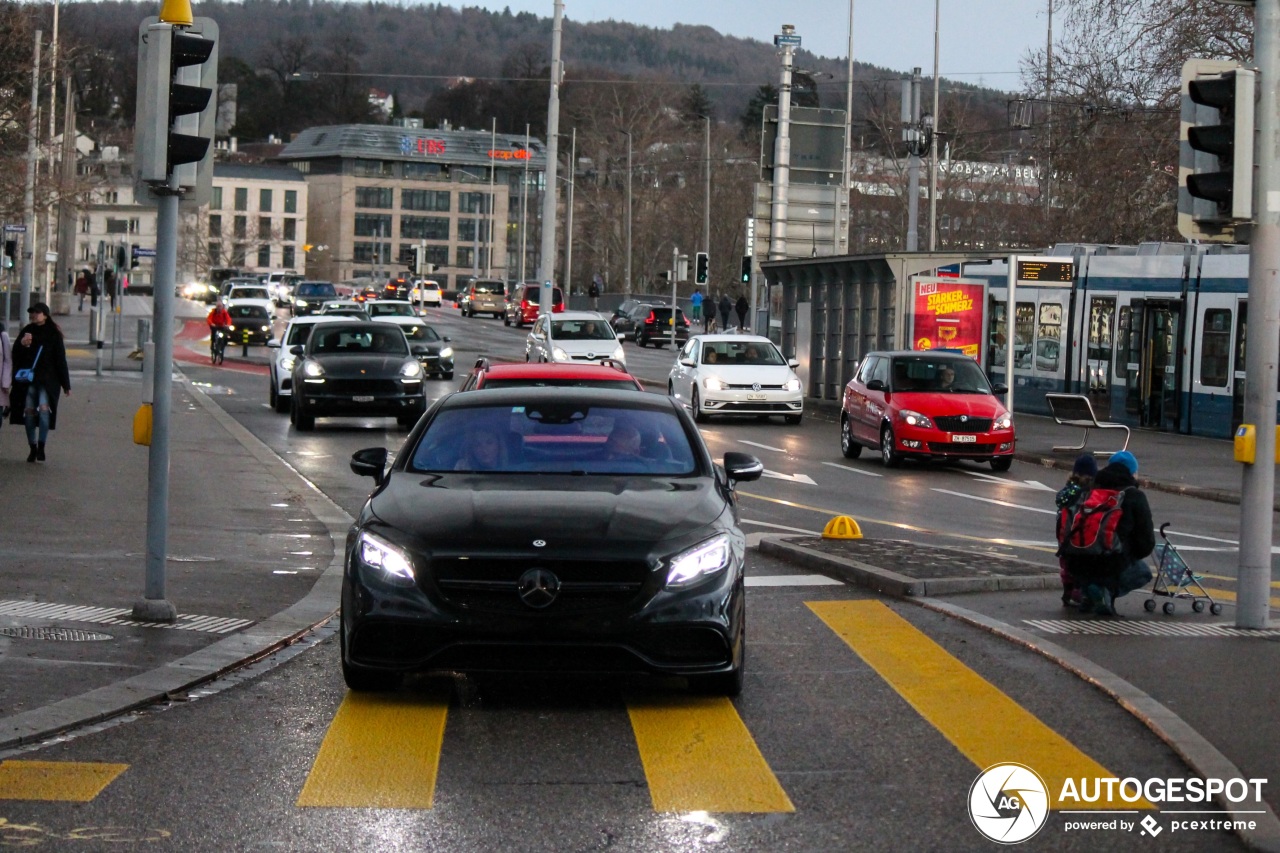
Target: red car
925,405
606,374
522,304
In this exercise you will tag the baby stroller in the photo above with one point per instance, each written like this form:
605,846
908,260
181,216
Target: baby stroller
1174,579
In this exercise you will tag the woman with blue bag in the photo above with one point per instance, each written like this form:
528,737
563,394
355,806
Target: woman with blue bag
39,371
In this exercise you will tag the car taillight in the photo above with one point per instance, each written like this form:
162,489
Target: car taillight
524,304
651,318
686,321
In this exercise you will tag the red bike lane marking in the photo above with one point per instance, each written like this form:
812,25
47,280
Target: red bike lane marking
197,332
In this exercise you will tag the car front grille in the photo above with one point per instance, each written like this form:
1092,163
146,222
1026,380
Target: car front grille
960,449
755,388
361,387
953,423
752,407
491,585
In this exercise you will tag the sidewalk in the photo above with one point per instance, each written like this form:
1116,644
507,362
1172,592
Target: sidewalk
73,537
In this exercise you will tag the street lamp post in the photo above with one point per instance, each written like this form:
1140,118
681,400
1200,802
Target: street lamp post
524,203
548,260
628,223
933,152
568,215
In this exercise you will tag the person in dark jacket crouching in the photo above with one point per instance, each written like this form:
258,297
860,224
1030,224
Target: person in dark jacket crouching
1106,577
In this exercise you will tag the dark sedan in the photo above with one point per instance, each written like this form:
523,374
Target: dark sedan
551,530
622,320
250,324
356,369
432,351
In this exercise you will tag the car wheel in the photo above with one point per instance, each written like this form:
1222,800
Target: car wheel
792,419
448,377
888,453
1002,463
282,404
506,321
696,405
642,341
273,399
849,445
407,421
304,423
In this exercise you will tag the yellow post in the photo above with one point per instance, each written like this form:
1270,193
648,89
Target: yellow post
842,527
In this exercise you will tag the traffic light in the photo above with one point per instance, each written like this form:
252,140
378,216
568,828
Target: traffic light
177,105
133,257
1215,168
122,256
419,260
701,267
746,269
10,252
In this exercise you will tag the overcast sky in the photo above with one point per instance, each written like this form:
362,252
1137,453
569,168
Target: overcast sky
981,40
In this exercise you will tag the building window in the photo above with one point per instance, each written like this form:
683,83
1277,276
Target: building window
286,257
264,201
472,202
467,229
240,226
238,254
423,171
436,200
264,227
264,256
84,225
372,169
215,254
84,251
215,199
424,227
291,229
438,255
378,198
215,225
111,197
290,201
464,256
134,226
363,253
373,225
1217,347
242,198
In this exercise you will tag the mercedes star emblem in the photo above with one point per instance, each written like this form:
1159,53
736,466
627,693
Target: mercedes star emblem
538,588
539,543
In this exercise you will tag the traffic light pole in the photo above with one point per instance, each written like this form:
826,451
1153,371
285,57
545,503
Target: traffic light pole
1258,487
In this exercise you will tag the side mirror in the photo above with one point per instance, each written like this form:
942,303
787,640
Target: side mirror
793,363
370,462
877,385
742,467
273,343
446,338
688,362
621,336
999,388
296,349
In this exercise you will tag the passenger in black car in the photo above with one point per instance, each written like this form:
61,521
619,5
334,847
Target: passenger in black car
623,443
484,452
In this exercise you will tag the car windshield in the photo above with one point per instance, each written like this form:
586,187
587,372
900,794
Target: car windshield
248,312
581,330
932,374
619,384
298,334
489,287
662,313
741,352
316,289
351,340
420,333
555,438
249,293
391,310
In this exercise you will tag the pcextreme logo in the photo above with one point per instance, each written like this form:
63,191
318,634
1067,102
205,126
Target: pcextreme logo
1008,803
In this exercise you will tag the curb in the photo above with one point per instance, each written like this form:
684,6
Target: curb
253,643
1200,755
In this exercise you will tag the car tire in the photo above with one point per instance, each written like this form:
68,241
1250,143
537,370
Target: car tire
641,341
304,423
506,321
696,405
407,421
849,445
792,419
273,398
448,377
1002,463
888,452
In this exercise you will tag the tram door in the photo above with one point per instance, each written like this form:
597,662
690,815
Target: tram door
1102,325
1152,361
1237,383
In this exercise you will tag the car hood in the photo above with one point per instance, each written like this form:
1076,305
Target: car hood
261,303
740,374
488,512
398,319
356,365
935,403
604,346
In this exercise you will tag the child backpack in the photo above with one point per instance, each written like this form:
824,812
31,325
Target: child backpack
1089,527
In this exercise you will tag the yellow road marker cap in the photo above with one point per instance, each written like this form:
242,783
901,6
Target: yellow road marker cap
842,527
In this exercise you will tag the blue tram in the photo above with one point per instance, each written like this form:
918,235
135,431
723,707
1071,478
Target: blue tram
1154,334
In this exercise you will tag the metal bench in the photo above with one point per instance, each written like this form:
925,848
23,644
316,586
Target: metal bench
1076,410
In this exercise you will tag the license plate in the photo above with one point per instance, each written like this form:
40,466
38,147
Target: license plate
362,399
967,439
757,397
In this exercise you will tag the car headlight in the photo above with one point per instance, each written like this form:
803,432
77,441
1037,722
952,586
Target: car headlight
915,419
287,363
792,384
1004,421
559,354
312,369
233,327
714,383
447,352
619,355
378,553
300,302
266,328
700,561
411,370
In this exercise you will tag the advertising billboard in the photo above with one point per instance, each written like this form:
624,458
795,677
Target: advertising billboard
949,313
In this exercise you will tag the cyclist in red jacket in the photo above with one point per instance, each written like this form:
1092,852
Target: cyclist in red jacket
219,320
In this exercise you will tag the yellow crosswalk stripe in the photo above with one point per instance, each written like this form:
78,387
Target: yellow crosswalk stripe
381,751
984,724
61,781
698,756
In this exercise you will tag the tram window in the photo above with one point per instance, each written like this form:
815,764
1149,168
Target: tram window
1024,329
1216,349
996,332
1049,337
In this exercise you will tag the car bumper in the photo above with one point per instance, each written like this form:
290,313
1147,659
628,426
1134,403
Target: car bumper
320,402
393,628
939,445
435,364
752,402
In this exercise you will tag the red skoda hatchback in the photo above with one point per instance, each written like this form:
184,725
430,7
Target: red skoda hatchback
925,405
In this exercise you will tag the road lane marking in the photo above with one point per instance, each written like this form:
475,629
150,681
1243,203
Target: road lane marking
698,756
1274,584
56,781
1147,628
1219,595
792,580
790,478
381,751
780,527
1006,481
763,446
1010,504
852,470
984,724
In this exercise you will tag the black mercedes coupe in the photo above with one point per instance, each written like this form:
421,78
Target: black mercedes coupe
548,530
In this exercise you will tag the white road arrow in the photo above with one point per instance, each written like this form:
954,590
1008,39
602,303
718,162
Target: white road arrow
1005,481
792,478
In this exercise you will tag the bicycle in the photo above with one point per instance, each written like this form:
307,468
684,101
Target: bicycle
218,345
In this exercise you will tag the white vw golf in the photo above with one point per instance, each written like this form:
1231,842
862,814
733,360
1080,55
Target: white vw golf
736,375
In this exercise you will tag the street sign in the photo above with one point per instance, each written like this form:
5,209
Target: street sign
15,229
792,40
50,257
139,252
